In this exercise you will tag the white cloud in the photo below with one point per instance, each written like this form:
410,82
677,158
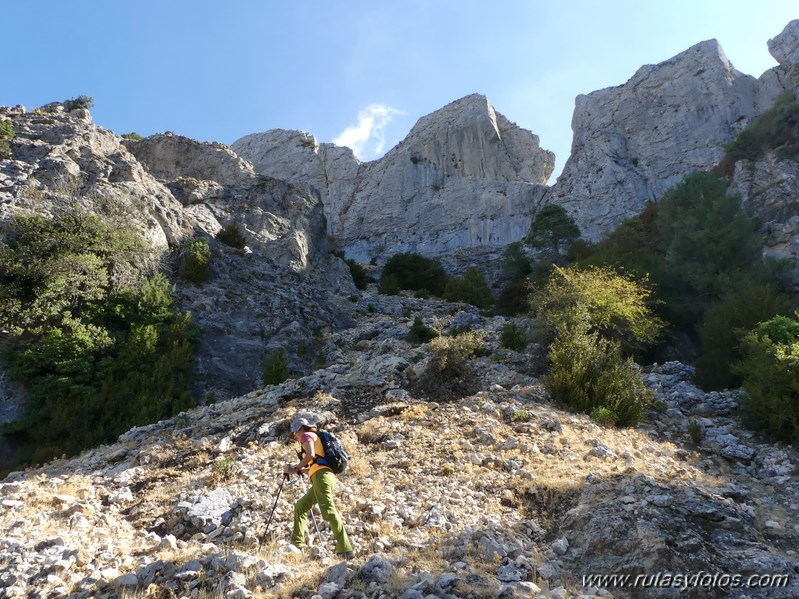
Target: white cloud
368,138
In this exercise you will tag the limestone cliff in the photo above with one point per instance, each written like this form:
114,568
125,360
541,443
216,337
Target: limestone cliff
464,177
635,141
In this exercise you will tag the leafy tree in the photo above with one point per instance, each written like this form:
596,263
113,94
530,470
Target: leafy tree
612,305
413,271
99,348
551,228
471,289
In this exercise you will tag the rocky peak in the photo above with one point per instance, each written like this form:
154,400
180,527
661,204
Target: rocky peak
634,141
785,46
464,177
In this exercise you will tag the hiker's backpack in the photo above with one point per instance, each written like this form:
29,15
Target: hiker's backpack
336,457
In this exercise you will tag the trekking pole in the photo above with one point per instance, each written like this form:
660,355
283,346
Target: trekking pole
268,522
313,517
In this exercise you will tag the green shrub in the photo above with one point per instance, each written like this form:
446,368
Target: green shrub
420,332
513,337
195,262
450,353
449,377
6,133
777,128
515,263
604,416
770,373
589,372
79,102
133,136
615,306
98,348
412,271
708,241
471,289
231,236
513,299
359,275
725,323
276,367
389,285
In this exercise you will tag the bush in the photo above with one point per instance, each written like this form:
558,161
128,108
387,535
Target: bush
471,289
588,373
231,236
770,373
6,133
726,322
133,136
420,332
777,128
450,353
195,263
276,367
79,102
513,337
359,275
515,262
97,356
412,271
615,306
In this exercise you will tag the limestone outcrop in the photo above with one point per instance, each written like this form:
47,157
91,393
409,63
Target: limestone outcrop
280,293
464,177
635,141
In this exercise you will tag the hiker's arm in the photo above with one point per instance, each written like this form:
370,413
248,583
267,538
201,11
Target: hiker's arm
305,462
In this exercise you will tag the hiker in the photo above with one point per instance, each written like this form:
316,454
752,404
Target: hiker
322,482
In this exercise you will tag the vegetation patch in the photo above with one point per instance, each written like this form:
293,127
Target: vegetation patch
97,344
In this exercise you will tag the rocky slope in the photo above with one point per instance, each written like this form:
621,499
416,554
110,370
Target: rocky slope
283,292
464,177
496,495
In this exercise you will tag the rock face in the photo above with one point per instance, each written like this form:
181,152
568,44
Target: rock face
464,177
280,294
59,157
635,141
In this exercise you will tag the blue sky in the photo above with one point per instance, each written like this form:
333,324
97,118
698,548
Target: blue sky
357,72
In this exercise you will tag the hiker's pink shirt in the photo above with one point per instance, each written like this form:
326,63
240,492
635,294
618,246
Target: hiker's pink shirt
319,451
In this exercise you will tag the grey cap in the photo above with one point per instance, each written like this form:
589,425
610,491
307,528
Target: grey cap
298,423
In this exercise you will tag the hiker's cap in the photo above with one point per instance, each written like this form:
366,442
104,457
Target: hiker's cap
298,423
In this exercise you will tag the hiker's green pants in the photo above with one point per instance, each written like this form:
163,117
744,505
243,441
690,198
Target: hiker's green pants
321,492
